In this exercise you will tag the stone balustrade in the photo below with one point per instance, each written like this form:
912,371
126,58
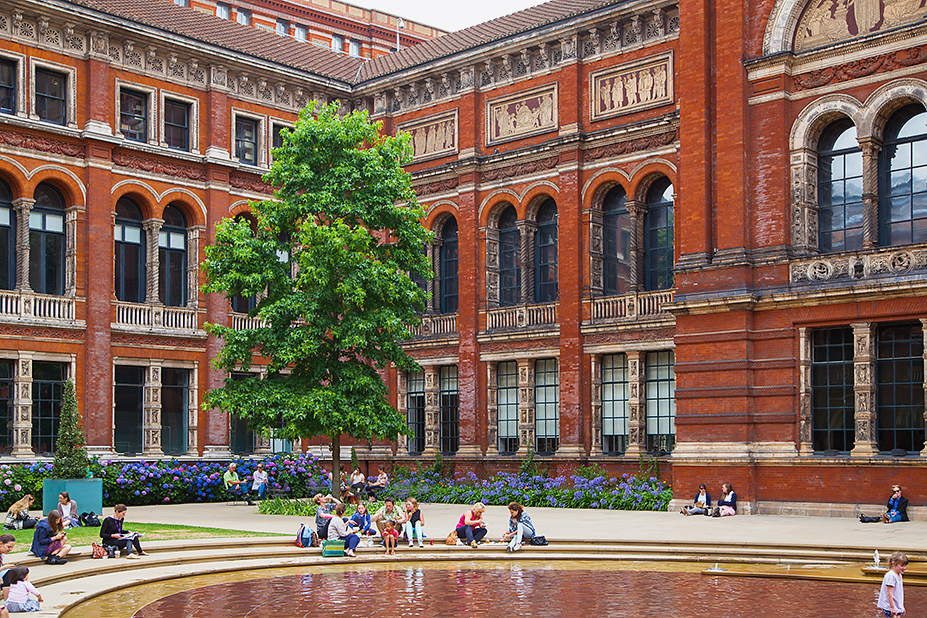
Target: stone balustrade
521,316
631,306
436,325
150,317
20,305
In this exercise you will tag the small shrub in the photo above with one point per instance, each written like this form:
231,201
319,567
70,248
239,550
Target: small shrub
71,461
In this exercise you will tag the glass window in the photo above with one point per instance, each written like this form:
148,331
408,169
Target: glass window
507,406
6,406
415,410
182,2
354,47
47,398
337,43
832,400
449,264
133,115
7,239
840,189
7,86
51,96
172,255
658,241
127,409
177,124
903,178
509,258
175,392
243,16
223,11
282,28
246,140
300,33
276,136
545,276
450,410
547,406
900,390
614,404
661,401
130,252
617,245
47,241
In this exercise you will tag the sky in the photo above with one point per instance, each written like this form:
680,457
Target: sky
445,15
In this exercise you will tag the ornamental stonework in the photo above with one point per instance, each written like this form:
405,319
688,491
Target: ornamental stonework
434,136
859,267
826,22
631,87
517,116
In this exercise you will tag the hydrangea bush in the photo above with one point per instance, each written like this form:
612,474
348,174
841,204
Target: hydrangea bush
166,480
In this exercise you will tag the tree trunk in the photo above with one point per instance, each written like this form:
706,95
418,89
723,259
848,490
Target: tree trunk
336,465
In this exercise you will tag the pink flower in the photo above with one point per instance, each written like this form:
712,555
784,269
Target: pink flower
18,487
7,482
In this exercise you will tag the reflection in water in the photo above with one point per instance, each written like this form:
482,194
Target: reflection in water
516,590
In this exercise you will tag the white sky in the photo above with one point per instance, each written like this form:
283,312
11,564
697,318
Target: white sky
450,16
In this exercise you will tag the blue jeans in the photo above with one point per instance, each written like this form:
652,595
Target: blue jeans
522,532
468,534
261,490
413,530
893,516
351,541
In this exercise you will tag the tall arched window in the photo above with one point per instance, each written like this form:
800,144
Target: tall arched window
172,256
7,239
47,241
840,189
449,258
617,224
130,252
509,258
658,243
545,254
903,178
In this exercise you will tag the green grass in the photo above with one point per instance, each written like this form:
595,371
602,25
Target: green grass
153,532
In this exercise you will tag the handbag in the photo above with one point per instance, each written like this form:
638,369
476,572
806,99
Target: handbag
97,551
451,538
538,540
333,548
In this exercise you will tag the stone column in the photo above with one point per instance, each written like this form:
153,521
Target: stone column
22,405
492,267
596,400
924,327
432,411
864,390
402,406
193,412
637,405
526,403
22,207
805,416
194,233
152,229
151,413
596,252
72,216
871,149
492,407
637,211
433,284
526,231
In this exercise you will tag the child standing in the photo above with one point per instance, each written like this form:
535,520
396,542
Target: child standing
891,596
390,538
20,589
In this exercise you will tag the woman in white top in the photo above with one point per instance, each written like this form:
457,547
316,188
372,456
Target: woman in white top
259,481
339,530
68,510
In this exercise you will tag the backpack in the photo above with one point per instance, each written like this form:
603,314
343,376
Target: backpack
89,519
304,536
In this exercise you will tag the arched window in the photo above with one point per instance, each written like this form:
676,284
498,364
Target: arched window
545,271
658,243
47,241
449,257
7,239
130,252
840,189
509,258
172,256
617,224
903,178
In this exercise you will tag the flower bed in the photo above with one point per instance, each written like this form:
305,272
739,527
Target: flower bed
165,481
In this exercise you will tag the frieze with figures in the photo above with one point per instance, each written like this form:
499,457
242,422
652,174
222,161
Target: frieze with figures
826,22
521,115
632,87
434,136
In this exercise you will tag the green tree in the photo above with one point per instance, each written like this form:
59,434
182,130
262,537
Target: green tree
328,259
71,459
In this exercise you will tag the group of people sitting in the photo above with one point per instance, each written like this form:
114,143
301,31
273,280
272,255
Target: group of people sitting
332,525
356,486
701,505
239,488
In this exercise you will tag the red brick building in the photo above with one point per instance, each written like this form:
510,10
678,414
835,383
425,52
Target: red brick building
693,231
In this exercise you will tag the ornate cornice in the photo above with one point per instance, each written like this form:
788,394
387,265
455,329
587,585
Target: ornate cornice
250,183
145,340
634,145
41,332
159,167
520,169
862,68
42,144
438,186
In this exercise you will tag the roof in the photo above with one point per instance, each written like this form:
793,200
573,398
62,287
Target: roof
481,34
167,16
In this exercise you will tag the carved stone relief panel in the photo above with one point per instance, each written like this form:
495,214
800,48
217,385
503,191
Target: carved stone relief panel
825,22
433,136
631,87
517,116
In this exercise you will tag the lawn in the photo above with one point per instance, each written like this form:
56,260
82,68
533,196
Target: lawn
153,532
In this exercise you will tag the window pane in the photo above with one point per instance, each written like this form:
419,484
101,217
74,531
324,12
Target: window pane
54,223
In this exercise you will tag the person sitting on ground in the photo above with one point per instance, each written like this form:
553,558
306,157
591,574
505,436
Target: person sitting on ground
338,529
389,512
358,482
116,537
323,513
20,589
414,522
49,541
235,485
259,481
701,505
727,503
68,510
17,517
471,528
7,543
361,520
390,538
897,507
520,527
379,483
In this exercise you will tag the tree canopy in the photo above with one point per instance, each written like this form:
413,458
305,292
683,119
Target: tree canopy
328,262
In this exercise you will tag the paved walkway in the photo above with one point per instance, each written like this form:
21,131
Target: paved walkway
581,524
